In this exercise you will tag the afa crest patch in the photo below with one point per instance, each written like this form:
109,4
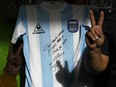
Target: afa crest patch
72,25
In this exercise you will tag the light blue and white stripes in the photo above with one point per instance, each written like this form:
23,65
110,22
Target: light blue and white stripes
42,51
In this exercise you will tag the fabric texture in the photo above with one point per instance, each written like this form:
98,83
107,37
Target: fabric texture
54,42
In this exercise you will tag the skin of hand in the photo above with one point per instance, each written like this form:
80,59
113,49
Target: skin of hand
14,60
95,37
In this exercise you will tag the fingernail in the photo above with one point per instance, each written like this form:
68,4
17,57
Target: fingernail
96,37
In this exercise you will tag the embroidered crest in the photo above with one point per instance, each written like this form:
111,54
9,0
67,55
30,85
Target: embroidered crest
73,26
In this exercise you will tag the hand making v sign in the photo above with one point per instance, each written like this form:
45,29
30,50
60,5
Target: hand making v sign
94,36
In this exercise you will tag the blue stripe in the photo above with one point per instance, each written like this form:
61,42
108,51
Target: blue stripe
68,47
46,58
83,43
26,49
83,29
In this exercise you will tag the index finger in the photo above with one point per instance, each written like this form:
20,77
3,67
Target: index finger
93,21
101,19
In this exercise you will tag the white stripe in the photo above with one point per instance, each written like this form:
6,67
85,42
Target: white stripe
35,56
77,41
55,25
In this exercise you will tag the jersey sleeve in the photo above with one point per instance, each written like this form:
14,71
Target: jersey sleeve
20,27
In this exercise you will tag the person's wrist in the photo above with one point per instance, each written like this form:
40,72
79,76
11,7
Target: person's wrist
96,50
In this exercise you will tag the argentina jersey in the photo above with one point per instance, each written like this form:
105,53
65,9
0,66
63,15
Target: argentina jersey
54,40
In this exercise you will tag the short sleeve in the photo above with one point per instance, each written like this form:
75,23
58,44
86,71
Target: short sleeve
20,27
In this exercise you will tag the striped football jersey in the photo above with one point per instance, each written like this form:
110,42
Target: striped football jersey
54,41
